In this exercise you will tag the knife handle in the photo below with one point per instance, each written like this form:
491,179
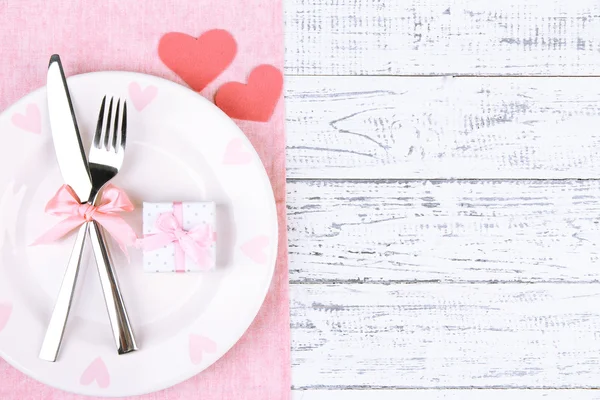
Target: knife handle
117,313
58,320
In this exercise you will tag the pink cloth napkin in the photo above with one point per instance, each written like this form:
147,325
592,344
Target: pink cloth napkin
93,35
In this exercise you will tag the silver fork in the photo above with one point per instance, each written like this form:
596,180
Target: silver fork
105,160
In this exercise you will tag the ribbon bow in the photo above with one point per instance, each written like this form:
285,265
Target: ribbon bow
194,243
66,203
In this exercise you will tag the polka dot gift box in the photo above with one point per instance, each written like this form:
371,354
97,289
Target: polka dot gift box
179,236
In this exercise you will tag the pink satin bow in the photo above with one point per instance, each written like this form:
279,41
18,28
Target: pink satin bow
194,243
65,203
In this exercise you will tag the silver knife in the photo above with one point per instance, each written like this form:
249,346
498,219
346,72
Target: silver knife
72,162
73,165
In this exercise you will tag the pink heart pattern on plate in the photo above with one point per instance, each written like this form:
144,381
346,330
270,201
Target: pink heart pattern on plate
255,249
31,121
96,371
142,97
200,345
235,153
5,311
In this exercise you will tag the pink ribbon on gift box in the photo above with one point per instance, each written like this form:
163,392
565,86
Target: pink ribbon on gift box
113,200
194,243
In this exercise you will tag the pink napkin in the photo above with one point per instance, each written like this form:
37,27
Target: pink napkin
93,35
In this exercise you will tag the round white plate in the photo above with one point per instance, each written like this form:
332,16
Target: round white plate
180,147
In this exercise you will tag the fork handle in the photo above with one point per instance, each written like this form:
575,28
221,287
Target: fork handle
58,320
117,313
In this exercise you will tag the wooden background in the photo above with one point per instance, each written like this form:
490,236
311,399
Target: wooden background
443,198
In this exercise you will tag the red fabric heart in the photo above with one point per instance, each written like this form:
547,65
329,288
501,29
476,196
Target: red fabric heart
197,61
254,101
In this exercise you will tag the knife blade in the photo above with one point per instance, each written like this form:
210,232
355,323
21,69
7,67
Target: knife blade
73,165
71,157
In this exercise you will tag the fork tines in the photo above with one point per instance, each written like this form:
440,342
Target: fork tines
107,130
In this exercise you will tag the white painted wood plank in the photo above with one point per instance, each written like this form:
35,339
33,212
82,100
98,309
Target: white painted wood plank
431,335
446,231
387,37
448,394
432,127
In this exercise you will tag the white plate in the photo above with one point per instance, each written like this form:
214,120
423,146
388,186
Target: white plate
180,148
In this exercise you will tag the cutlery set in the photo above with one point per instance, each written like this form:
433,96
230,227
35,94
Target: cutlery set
202,234
86,177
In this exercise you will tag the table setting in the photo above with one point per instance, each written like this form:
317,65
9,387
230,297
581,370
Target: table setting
142,202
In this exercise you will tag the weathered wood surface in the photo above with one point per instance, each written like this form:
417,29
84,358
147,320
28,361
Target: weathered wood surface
434,127
447,394
443,284
360,336
421,37
444,231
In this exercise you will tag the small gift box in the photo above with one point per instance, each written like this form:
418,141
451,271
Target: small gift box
179,236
